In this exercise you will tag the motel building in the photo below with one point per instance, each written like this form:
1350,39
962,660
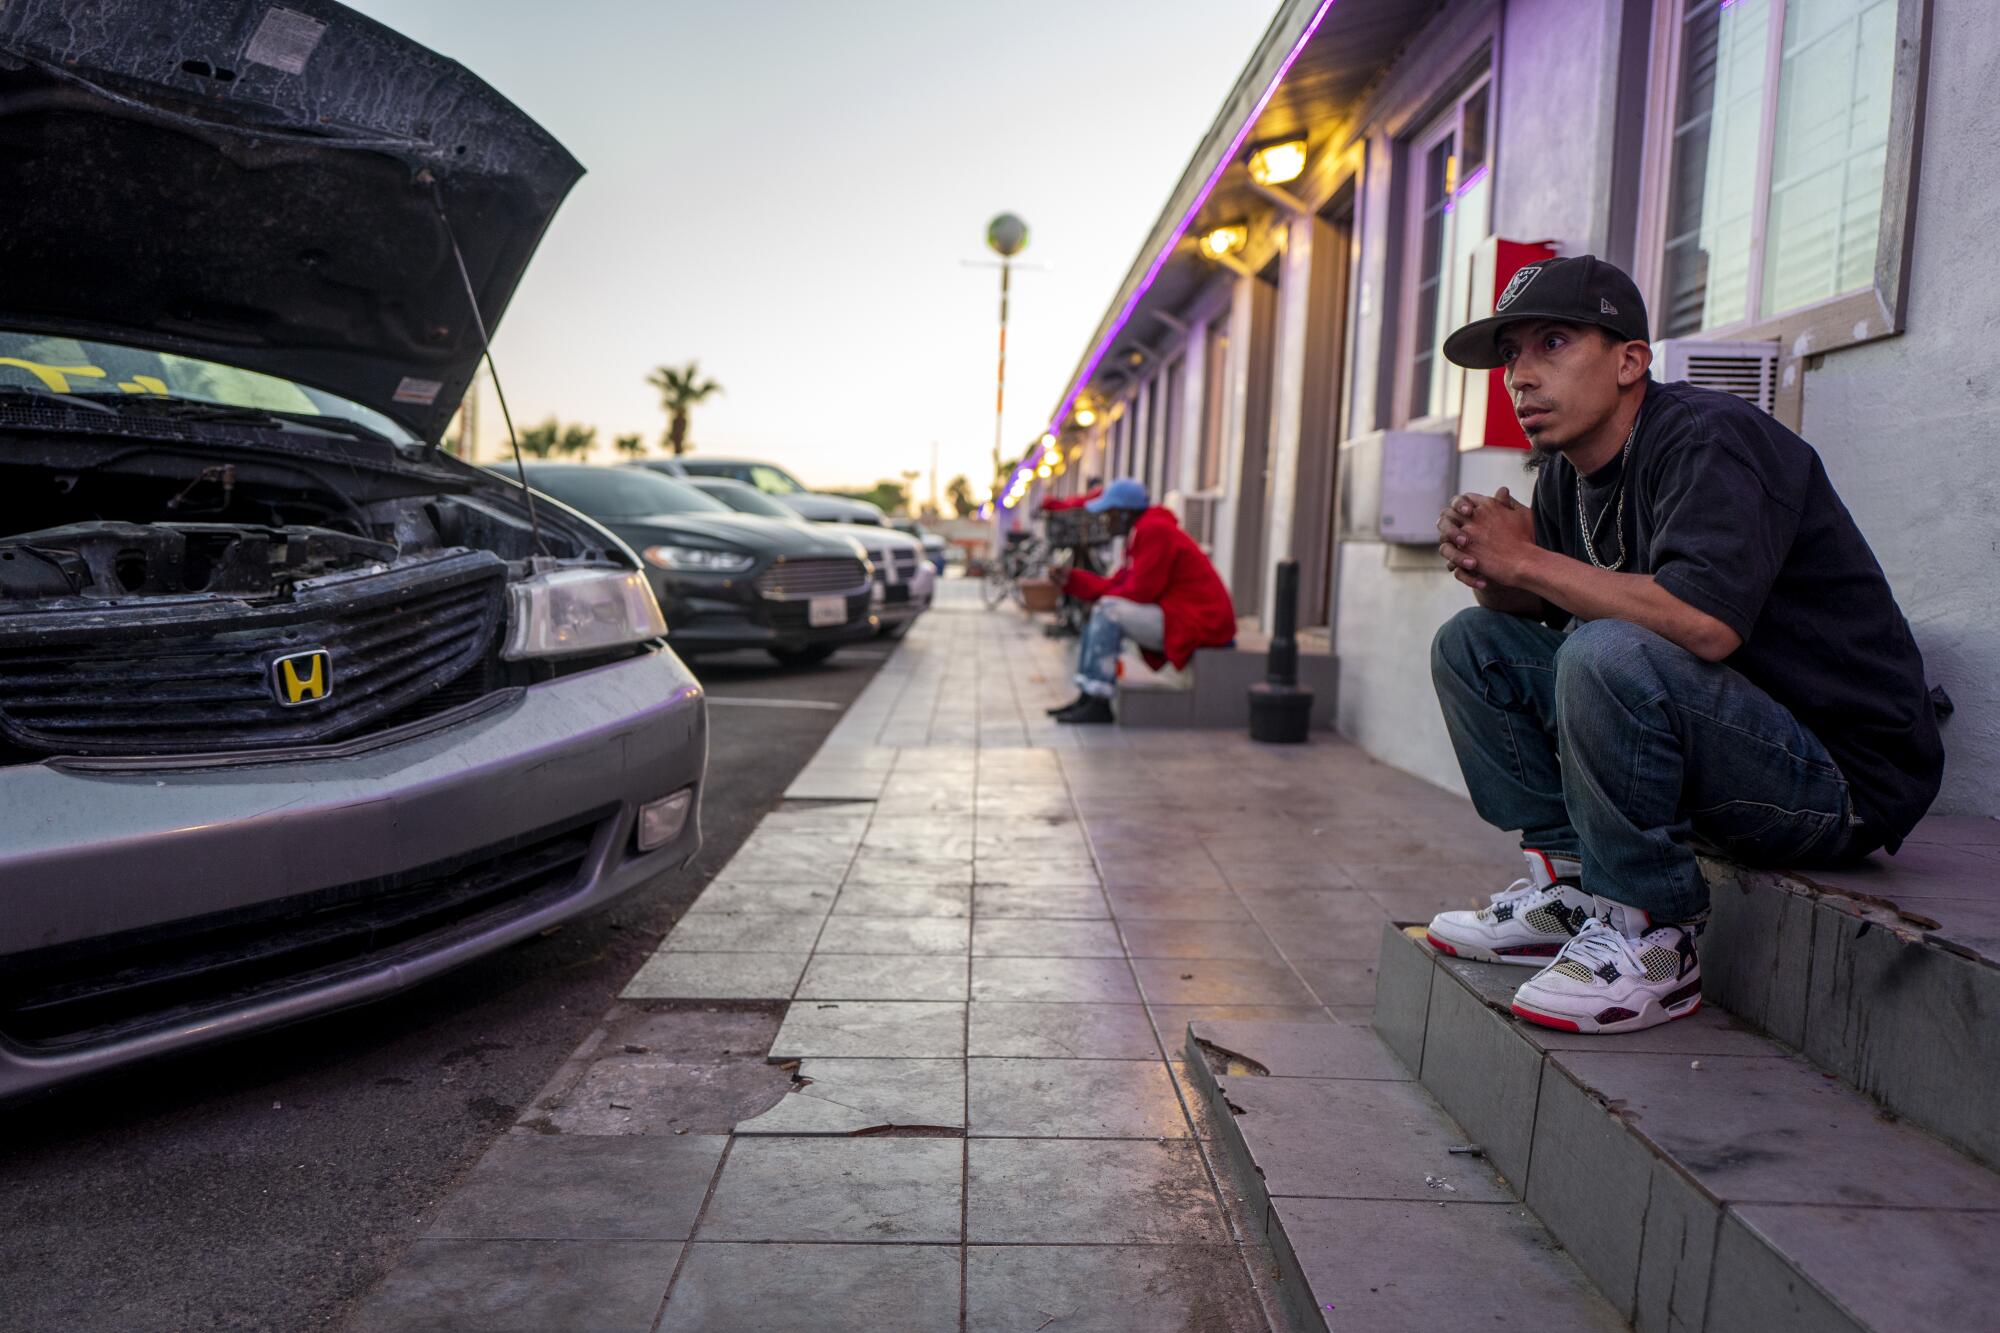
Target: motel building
1795,184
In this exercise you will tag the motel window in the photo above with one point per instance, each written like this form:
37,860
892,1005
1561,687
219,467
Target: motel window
1149,453
1780,134
1214,393
1448,209
1170,428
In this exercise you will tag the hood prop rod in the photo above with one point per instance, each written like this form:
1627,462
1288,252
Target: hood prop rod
486,350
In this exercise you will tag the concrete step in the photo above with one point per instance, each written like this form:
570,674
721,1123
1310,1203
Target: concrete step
1215,691
1374,1222
1886,974
1706,1177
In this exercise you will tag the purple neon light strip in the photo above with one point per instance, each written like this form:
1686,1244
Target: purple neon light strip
1194,209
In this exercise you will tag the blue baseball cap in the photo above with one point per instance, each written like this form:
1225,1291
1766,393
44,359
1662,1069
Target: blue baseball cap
1124,493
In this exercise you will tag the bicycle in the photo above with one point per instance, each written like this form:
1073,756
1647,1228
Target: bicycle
1025,556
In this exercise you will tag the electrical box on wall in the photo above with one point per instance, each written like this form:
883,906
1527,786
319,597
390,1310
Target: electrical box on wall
1419,469
1487,417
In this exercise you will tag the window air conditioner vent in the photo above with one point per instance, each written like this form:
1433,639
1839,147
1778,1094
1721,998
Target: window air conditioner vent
1200,519
1747,369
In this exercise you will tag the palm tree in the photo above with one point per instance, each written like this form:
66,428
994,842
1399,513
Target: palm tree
680,390
631,445
551,439
959,491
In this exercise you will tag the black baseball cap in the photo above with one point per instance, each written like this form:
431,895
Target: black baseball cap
1582,289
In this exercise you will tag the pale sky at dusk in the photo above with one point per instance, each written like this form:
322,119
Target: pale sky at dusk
786,188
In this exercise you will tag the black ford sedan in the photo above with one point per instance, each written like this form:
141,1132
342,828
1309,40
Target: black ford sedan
724,580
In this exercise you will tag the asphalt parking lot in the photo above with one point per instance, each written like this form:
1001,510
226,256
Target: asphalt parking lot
268,1184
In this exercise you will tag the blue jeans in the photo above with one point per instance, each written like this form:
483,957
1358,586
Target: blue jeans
1112,621
1612,745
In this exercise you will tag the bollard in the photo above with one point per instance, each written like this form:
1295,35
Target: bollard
1281,712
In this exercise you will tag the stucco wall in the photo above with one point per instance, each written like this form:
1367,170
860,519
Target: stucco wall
1390,604
1908,425
1556,89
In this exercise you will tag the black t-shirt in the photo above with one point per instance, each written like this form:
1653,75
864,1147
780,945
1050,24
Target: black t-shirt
1735,515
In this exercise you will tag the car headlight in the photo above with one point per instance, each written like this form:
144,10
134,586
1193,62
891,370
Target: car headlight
570,611
699,558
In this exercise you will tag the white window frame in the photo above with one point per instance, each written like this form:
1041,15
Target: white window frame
1843,320
1213,429
1447,121
1173,411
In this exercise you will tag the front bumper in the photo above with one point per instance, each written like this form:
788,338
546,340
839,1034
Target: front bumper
746,619
103,859
895,613
905,601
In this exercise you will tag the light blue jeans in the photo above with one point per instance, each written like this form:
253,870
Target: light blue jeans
1613,745
1112,621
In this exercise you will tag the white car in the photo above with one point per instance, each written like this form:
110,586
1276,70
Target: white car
905,580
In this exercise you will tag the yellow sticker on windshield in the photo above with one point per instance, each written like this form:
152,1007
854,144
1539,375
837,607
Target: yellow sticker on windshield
54,378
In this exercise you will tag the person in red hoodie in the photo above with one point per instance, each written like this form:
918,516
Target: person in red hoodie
1167,598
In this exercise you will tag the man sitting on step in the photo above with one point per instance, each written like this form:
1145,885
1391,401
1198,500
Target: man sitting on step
1166,597
1683,639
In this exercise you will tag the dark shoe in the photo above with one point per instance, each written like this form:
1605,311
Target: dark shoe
1071,706
1091,712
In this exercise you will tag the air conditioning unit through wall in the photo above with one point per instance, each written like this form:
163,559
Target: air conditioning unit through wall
1199,520
1747,369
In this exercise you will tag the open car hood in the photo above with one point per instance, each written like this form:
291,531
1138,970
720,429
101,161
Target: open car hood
272,186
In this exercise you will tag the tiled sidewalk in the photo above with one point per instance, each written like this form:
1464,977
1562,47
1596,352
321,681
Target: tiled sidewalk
990,934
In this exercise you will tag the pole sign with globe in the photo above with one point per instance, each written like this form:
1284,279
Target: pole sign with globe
1006,236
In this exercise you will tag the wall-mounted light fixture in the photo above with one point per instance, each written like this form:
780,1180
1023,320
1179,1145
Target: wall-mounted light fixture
1277,163
1229,239
1085,417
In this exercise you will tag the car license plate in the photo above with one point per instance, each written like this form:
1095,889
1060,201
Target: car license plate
826,611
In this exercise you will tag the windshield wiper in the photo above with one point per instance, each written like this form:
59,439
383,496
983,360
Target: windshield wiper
192,409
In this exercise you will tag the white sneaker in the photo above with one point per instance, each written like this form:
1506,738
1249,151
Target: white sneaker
1619,974
1529,921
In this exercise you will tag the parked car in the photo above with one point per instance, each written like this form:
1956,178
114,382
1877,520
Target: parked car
935,548
725,581
774,481
904,582
296,711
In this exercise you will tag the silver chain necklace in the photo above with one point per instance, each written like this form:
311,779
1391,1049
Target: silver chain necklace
1583,520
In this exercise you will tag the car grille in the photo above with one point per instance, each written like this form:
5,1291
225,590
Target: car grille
894,566
815,577
178,680
896,593
96,990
